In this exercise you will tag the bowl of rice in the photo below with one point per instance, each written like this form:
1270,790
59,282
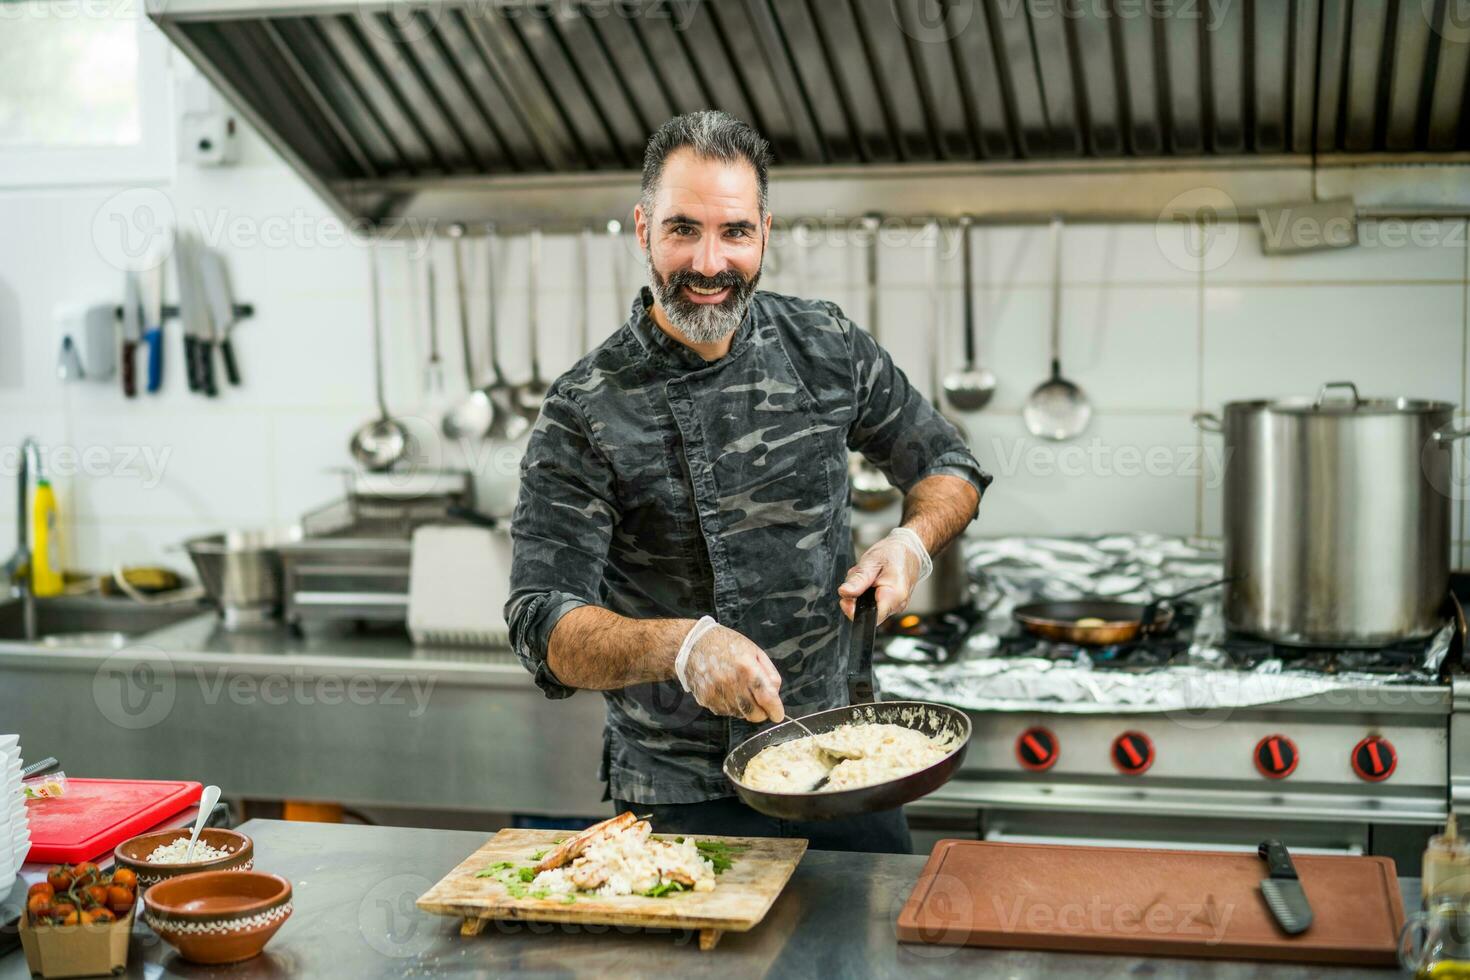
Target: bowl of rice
156,856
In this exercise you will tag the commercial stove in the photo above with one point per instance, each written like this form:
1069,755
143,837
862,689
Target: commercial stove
1189,736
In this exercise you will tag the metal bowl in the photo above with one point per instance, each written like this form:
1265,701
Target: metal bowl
241,572
938,720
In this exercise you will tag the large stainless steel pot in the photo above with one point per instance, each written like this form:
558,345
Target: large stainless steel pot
1337,516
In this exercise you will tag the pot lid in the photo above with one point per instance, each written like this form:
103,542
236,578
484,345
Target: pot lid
1342,398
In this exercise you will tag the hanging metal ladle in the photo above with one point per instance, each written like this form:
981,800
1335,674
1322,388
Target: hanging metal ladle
1057,409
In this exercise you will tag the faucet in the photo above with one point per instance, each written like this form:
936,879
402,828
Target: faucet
18,568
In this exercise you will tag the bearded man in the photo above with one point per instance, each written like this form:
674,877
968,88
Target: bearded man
682,540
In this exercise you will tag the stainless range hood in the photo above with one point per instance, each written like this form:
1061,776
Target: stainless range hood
383,105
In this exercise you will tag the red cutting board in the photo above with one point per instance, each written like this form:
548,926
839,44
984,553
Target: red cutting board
1149,902
96,815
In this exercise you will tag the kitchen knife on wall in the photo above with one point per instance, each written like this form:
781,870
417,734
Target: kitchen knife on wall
222,307
187,316
132,332
1283,889
194,309
152,288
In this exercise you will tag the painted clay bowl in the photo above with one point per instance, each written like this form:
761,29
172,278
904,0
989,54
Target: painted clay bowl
218,916
133,854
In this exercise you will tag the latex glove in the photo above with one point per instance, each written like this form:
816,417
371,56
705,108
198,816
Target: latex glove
896,565
728,674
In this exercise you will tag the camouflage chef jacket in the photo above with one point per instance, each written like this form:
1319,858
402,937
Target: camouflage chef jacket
659,485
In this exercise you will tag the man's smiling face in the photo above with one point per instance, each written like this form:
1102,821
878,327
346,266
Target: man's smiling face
705,238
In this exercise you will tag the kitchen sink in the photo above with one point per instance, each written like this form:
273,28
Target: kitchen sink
89,620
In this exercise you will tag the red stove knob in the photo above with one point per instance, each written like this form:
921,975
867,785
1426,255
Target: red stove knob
1036,749
1133,753
1276,757
1374,759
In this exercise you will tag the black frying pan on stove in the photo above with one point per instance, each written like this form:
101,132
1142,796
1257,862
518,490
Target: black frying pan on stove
1100,622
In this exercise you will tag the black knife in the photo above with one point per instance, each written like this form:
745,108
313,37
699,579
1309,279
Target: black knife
1283,889
864,636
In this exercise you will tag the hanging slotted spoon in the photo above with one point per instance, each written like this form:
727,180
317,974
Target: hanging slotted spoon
1057,408
509,423
531,394
870,487
384,441
474,415
970,388
937,331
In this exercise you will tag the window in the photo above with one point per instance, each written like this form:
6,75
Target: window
85,98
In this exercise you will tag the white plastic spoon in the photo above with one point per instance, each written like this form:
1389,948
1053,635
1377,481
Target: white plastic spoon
206,807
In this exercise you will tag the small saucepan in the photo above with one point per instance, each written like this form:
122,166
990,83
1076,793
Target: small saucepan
1100,622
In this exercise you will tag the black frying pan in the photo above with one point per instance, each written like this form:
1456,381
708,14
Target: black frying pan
1099,622
936,720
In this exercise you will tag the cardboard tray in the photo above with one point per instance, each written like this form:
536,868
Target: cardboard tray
1149,902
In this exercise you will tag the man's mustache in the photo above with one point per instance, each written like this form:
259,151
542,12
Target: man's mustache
688,277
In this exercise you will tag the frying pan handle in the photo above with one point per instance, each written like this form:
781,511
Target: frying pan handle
1151,611
864,635
1207,422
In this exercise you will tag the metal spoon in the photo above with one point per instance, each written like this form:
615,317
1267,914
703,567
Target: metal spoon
473,417
970,388
532,393
207,800
434,370
870,487
384,441
936,331
1057,408
509,423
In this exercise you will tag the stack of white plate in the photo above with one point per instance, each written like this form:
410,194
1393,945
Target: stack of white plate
15,833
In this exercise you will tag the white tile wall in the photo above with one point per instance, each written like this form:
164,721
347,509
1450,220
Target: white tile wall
1152,331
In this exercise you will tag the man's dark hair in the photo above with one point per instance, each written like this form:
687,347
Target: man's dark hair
713,135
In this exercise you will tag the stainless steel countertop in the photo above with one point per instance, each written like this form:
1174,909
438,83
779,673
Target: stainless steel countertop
355,917
329,647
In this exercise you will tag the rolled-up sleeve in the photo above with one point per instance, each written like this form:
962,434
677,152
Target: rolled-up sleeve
896,427
560,533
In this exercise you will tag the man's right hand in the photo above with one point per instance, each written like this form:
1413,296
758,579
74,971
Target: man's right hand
730,675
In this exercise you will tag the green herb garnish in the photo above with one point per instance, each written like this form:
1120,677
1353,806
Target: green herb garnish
538,855
527,874
493,870
720,854
664,888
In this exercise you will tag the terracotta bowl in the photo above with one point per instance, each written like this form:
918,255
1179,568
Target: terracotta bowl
133,854
218,916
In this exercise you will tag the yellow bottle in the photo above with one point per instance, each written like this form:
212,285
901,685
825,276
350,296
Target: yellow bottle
45,542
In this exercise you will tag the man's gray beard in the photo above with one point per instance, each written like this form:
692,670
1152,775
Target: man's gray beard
700,323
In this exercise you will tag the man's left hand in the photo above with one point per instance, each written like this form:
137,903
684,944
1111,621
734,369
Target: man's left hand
895,566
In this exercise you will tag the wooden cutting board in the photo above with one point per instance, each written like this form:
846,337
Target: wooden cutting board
740,900
1149,902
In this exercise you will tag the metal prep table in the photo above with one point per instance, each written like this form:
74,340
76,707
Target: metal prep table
354,892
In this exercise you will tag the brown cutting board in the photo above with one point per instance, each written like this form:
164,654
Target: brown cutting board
1149,902
741,897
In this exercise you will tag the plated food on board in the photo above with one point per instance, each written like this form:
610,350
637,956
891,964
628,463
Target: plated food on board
620,856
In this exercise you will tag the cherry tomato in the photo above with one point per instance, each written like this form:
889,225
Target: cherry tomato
59,877
65,913
85,873
97,894
41,888
125,877
39,906
120,900
102,916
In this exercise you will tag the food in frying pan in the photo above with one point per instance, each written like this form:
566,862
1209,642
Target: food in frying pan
853,756
1086,621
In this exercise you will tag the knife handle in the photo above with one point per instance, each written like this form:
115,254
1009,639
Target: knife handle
206,367
227,354
129,371
191,361
153,337
1278,861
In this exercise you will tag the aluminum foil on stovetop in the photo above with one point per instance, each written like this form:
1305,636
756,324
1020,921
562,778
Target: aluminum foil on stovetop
1198,668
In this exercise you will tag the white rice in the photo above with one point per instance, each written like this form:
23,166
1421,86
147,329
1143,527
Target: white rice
176,851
